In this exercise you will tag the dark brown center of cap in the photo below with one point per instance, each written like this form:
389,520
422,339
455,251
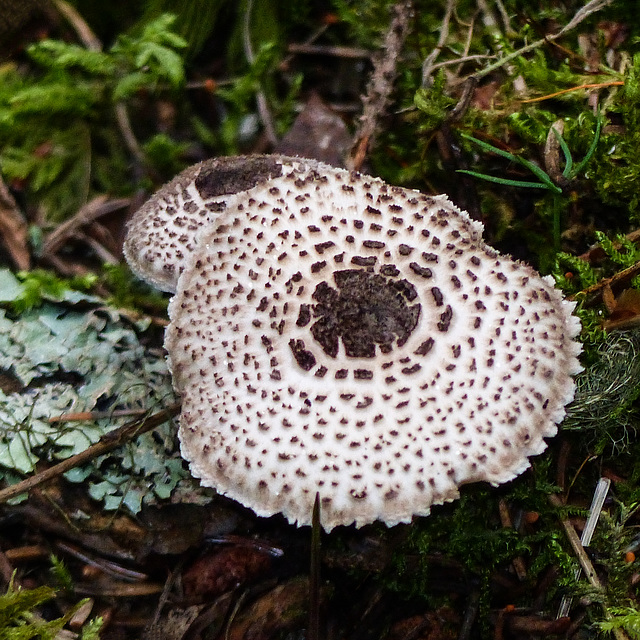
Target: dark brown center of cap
365,310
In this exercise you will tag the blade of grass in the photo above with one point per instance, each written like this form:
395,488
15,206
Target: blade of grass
504,181
489,147
581,165
568,159
545,180
539,173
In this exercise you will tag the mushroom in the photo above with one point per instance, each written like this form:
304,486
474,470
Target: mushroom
332,334
163,233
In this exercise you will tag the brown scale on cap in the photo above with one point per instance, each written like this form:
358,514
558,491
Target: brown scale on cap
333,334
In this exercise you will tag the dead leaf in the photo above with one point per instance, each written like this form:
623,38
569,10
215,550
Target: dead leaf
625,311
282,609
317,133
436,625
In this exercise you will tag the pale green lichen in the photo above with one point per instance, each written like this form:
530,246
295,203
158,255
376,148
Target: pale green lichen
61,358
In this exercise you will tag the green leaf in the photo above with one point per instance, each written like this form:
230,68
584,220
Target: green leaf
592,148
169,62
537,171
60,55
130,84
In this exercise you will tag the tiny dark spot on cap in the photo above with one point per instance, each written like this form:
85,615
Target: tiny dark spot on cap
413,369
445,319
322,246
425,347
389,270
364,261
423,272
437,296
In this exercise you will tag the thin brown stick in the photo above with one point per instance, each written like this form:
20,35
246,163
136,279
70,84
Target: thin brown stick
97,415
376,101
584,561
505,519
86,35
118,589
91,211
108,442
328,50
576,545
129,137
454,61
14,230
619,278
427,65
592,85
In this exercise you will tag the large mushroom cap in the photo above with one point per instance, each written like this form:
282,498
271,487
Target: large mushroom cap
336,335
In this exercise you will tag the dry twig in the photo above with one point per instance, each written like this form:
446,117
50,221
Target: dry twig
107,443
427,65
381,84
86,35
594,292
91,211
584,560
581,14
328,50
13,229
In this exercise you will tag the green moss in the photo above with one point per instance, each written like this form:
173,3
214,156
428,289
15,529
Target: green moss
56,118
19,619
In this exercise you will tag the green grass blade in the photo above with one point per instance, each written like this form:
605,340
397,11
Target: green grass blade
539,173
568,159
546,181
505,181
489,147
596,138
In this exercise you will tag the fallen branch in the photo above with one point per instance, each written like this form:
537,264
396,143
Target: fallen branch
88,213
621,278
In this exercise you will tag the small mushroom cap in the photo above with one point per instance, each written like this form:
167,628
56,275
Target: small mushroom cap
163,232
331,334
